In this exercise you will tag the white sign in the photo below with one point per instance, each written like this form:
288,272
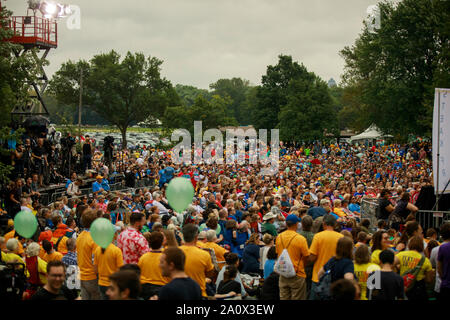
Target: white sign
441,140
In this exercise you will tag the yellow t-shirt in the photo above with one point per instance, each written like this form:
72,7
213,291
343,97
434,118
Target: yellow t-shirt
362,272
107,263
219,251
339,212
198,263
410,259
62,245
12,257
55,256
85,250
324,247
200,244
150,270
296,246
375,258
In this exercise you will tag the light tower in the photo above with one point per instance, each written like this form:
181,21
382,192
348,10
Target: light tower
38,30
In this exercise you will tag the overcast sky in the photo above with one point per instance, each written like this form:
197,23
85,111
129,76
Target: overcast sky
201,41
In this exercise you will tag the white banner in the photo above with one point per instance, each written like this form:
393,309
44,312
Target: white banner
441,140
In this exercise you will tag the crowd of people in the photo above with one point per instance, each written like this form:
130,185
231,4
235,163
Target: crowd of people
229,242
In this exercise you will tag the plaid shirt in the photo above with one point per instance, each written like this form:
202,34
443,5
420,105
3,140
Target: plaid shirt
70,258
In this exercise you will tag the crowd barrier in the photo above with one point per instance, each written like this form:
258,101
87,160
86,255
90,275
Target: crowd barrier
369,207
47,199
432,219
426,218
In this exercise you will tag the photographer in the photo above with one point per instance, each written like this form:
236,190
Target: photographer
39,156
108,147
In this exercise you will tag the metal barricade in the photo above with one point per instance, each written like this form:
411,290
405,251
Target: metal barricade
432,219
369,208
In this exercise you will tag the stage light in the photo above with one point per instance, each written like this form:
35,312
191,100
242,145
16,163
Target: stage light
48,9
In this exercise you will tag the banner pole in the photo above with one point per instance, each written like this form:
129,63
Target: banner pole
438,146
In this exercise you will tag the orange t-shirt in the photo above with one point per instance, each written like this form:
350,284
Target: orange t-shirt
54,256
324,247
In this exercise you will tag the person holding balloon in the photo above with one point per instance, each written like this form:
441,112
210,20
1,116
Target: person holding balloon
107,256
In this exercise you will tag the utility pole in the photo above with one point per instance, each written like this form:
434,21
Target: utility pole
79,106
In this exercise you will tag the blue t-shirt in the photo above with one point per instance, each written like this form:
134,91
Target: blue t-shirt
162,176
354,207
268,268
168,173
316,212
96,186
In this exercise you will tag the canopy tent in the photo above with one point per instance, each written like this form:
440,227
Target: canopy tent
370,133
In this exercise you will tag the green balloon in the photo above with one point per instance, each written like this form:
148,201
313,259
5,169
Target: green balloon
180,193
287,170
102,232
25,224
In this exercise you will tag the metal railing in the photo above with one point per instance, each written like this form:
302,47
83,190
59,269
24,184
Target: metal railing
432,219
116,187
369,207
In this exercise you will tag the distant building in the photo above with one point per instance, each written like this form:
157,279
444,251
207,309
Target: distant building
331,83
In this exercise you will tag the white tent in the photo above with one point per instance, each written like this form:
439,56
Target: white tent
370,133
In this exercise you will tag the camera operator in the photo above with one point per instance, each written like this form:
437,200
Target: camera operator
108,147
87,154
39,156
67,147
17,161
27,159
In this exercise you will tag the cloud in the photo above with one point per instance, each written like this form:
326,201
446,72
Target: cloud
202,41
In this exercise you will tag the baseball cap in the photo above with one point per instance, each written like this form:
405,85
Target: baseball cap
292,218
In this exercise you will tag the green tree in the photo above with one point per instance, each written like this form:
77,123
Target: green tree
236,89
188,94
397,67
294,100
121,92
309,111
212,114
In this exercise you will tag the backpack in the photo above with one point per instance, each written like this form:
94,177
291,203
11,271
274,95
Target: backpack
283,265
323,288
410,276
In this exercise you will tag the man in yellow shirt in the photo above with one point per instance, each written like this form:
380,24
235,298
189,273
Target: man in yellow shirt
198,262
106,262
323,247
297,247
85,249
151,276
219,251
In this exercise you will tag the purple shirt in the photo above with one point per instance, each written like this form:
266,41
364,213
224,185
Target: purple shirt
444,257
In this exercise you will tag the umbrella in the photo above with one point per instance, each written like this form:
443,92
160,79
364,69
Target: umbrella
315,161
36,121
